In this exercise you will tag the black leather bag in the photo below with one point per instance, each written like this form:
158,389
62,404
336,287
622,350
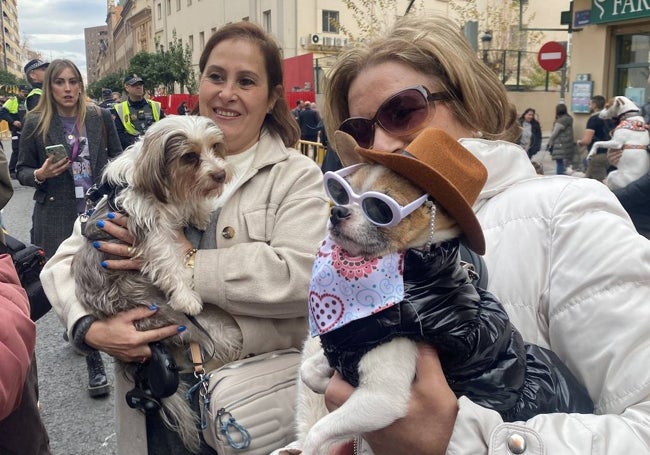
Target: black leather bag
29,261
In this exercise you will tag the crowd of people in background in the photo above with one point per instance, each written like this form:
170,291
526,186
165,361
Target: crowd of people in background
584,221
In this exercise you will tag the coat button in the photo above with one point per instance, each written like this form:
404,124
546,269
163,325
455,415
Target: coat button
51,198
516,444
228,232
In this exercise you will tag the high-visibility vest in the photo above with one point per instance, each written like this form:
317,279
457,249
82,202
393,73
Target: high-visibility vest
11,105
124,113
35,91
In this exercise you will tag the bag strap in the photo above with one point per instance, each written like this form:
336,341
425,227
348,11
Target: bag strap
197,358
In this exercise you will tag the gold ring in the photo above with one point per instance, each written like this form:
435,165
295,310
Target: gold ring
129,249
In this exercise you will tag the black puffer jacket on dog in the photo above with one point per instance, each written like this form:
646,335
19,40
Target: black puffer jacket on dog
482,354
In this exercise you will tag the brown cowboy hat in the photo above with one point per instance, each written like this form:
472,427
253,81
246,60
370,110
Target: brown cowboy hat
440,166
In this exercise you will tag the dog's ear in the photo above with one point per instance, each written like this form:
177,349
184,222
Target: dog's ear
151,175
344,144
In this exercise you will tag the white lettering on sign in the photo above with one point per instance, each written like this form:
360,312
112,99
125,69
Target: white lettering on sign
551,56
628,6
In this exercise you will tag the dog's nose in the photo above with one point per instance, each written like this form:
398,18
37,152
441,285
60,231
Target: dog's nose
338,213
219,177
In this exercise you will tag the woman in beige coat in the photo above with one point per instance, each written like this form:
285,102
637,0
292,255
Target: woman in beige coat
254,261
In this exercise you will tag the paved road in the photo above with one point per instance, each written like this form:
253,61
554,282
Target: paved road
77,424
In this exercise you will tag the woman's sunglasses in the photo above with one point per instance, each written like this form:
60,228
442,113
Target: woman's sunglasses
380,209
400,115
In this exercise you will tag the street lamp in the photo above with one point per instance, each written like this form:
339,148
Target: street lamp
486,43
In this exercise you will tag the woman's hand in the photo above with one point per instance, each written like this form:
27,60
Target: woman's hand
614,156
115,226
117,335
427,428
51,169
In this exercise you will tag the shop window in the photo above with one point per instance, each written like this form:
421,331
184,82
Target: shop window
632,67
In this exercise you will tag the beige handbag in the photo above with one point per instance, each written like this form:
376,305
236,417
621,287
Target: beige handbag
249,405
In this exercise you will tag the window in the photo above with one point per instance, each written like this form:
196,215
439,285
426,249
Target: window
168,4
159,11
201,40
330,21
178,5
190,41
189,2
266,20
631,76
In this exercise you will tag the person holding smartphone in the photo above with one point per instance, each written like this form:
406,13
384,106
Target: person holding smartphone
65,144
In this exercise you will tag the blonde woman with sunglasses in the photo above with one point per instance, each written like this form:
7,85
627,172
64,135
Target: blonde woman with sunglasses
569,268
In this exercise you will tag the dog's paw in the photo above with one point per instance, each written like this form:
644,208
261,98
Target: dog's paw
188,304
316,372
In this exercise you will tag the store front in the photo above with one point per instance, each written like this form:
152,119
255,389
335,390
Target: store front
610,51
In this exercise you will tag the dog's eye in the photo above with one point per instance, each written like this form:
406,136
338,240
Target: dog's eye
190,159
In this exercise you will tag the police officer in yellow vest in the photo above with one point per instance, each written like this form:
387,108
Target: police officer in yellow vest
137,113
13,112
35,73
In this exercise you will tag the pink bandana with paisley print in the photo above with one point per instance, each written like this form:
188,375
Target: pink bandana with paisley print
346,288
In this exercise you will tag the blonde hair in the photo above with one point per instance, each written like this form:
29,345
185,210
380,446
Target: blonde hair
47,105
435,47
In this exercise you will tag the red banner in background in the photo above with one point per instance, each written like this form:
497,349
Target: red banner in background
299,79
170,103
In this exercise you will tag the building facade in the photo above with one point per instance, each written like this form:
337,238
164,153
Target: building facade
11,54
96,39
315,28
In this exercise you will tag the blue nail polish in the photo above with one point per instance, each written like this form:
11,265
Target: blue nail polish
153,307
181,328
110,215
104,264
96,245
100,224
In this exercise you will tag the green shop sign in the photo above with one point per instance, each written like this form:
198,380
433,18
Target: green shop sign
618,10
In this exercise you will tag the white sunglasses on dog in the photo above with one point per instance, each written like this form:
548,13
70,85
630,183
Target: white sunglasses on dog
380,209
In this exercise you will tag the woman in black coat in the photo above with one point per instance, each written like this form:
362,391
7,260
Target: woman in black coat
531,132
87,139
87,134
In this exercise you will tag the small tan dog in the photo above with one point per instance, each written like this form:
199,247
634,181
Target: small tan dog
388,276
417,222
166,181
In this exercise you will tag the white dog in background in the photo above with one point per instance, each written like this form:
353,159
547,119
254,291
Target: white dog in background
630,135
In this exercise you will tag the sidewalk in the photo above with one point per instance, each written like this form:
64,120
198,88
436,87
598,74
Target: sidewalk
544,158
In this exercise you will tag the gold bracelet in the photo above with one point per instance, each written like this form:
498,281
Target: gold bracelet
190,256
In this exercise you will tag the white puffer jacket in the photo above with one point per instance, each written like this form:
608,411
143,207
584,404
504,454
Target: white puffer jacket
568,266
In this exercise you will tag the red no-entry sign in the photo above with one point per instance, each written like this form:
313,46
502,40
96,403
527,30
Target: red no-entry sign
551,56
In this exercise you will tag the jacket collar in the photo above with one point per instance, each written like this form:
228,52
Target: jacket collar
507,164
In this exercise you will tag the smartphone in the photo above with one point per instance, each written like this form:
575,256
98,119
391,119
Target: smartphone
58,151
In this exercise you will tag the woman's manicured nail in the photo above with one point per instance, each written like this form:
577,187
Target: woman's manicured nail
111,215
104,264
181,328
153,307
96,245
100,224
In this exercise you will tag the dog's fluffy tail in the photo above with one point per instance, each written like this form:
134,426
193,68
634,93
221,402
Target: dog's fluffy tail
177,415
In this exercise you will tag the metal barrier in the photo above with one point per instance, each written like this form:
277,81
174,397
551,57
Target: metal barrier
314,150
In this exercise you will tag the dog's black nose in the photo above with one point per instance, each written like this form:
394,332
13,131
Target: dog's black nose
219,177
338,213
